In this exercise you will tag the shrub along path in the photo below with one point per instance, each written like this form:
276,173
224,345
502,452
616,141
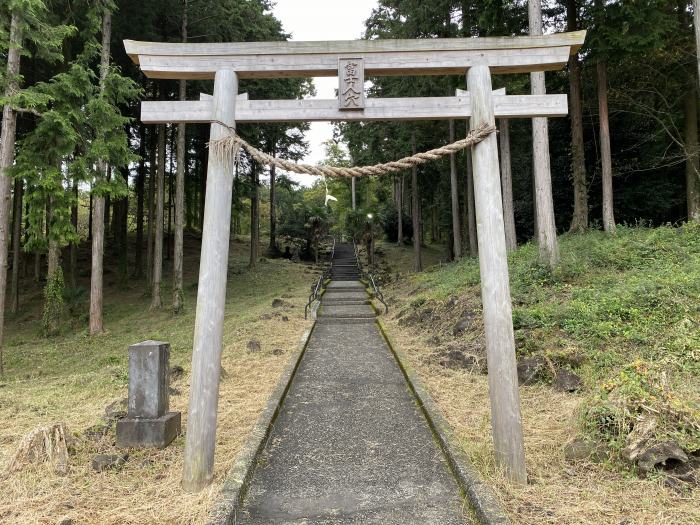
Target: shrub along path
350,444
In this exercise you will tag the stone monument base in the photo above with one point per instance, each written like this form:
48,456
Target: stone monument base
146,433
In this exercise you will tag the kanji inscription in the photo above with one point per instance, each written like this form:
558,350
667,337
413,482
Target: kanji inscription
351,91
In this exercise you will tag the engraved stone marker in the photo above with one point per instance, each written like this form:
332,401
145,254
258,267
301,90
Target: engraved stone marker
148,423
351,89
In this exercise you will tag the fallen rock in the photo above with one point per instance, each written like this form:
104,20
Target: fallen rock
579,449
687,474
97,432
285,318
280,303
531,370
253,346
567,381
117,409
426,315
459,360
463,324
65,521
277,351
176,372
103,462
661,454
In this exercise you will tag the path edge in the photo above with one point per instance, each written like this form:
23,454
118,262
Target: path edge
481,496
236,482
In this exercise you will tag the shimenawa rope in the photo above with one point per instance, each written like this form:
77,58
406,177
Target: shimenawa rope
231,144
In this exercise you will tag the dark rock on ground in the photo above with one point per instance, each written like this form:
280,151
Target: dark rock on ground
567,381
65,521
664,454
277,351
174,391
425,315
176,372
97,432
103,462
463,324
582,449
458,359
531,370
285,318
253,346
117,409
280,303
684,475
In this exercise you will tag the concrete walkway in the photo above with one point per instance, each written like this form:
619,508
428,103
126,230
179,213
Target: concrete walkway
350,445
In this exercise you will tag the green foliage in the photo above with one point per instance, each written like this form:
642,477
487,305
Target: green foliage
627,306
79,128
53,303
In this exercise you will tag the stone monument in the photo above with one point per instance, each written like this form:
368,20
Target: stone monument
149,422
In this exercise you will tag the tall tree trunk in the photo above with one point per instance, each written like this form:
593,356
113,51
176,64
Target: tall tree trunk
178,256
454,192
98,222
122,225
606,157
108,207
254,217
16,245
140,185
544,207
53,266
692,164
171,171
90,219
696,19
273,207
7,155
152,175
73,279
415,207
156,300
579,221
399,210
352,189
507,184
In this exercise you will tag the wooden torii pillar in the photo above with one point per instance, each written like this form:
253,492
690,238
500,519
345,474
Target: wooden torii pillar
350,61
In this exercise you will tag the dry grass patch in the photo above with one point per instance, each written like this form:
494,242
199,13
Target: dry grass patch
559,492
72,378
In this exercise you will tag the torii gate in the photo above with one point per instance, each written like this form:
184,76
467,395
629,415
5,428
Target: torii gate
226,63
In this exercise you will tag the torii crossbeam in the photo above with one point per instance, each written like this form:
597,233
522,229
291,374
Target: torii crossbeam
351,61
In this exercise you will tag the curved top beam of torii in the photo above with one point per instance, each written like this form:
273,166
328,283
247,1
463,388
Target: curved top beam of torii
429,56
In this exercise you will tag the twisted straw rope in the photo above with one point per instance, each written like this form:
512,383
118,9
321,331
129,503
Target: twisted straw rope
231,144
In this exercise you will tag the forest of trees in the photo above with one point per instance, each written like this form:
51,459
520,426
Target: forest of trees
77,167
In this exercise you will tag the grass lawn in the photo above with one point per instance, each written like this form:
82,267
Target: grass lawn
71,378
623,313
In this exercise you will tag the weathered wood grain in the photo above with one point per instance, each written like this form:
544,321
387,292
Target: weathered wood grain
211,297
381,57
426,108
495,288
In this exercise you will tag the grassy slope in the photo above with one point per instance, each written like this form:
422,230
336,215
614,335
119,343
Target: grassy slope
72,377
624,313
